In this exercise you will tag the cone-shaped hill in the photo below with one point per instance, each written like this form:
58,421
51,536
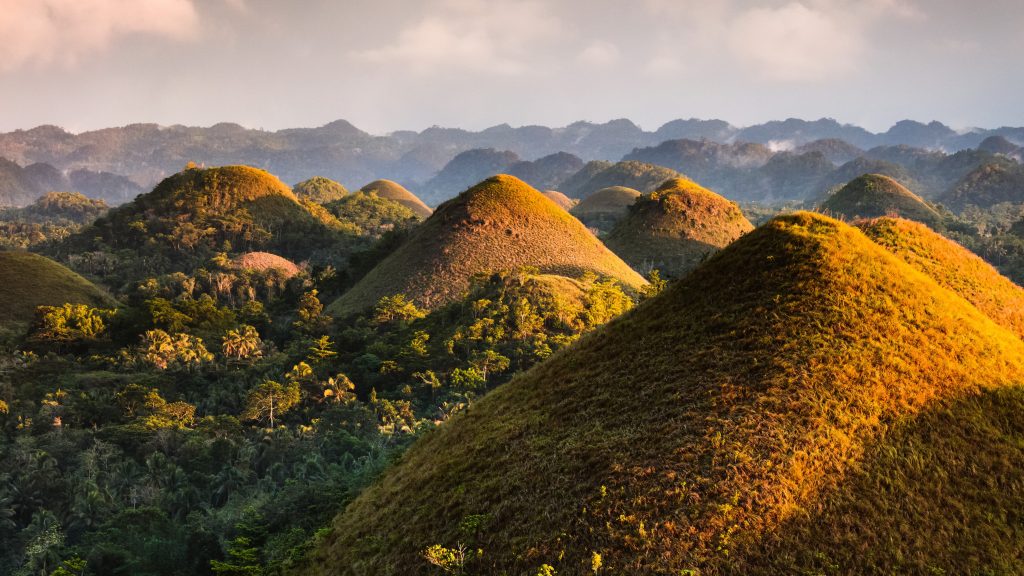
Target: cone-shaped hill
395,191
874,195
320,190
198,212
30,280
676,227
563,201
500,224
803,402
264,261
953,267
630,173
604,208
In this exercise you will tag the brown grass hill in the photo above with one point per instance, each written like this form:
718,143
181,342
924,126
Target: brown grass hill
395,191
804,402
264,261
874,195
630,173
319,190
675,228
563,201
995,182
500,224
30,280
606,207
198,212
953,267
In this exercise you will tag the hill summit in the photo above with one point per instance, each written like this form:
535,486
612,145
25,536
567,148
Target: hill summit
500,224
803,402
30,280
394,191
676,227
604,208
874,195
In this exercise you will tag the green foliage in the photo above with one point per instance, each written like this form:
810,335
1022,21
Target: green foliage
371,214
271,399
68,323
320,190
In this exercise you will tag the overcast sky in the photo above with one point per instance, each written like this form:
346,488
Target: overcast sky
408,64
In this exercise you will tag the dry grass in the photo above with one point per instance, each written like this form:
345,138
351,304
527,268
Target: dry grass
29,280
800,398
563,201
676,227
395,191
953,267
604,208
500,224
263,261
874,195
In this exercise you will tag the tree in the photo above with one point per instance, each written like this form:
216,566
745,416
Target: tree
656,284
270,399
68,323
322,349
310,312
163,351
242,344
395,308
243,560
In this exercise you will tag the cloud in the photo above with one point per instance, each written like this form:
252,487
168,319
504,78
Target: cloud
796,42
45,32
600,54
493,36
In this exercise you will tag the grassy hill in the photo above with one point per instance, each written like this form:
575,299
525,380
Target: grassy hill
992,183
805,402
953,267
30,280
874,195
604,208
263,261
198,212
631,174
319,190
398,193
499,224
676,227
563,201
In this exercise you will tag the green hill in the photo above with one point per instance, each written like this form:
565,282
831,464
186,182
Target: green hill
604,208
631,174
953,267
676,227
395,191
805,402
30,280
874,195
992,183
320,190
499,224
196,213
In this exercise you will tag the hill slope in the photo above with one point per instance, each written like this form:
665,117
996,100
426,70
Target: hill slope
992,183
631,174
786,386
602,209
320,190
953,267
563,201
874,195
500,224
395,191
676,227
29,280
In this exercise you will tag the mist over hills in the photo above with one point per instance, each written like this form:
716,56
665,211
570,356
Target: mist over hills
123,161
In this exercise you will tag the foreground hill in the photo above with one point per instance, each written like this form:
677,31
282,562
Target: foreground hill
394,191
499,224
953,267
604,208
803,402
29,280
631,174
676,227
874,195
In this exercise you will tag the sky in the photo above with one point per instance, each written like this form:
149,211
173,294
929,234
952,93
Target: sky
387,65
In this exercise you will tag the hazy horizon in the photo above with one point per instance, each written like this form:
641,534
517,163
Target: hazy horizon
391,65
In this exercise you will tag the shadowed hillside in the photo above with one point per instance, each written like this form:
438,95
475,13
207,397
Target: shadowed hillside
29,280
500,224
795,405
676,227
